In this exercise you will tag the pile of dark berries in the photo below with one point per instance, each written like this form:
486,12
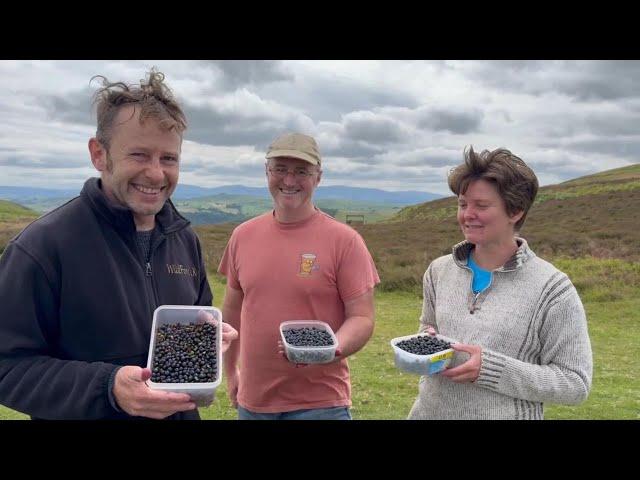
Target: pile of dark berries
185,354
423,345
308,337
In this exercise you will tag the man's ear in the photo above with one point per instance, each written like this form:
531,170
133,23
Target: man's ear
515,218
319,177
98,154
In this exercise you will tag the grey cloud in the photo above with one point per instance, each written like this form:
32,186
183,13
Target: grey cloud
601,80
560,128
74,107
610,124
431,161
370,161
517,65
329,97
224,170
372,128
237,73
70,180
505,115
352,149
632,104
560,164
615,147
189,165
341,97
450,120
416,158
564,171
503,74
591,80
20,160
205,125
212,127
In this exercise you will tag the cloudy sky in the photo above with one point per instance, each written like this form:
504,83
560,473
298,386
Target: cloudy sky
395,125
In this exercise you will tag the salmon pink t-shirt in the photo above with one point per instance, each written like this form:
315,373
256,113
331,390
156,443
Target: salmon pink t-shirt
295,271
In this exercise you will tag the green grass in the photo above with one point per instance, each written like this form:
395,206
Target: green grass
621,174
380,391
10,212
585,189
602,280
13,218
615,339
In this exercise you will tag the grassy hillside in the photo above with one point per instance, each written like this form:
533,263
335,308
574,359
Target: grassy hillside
13,218
619,180
10,211
595,216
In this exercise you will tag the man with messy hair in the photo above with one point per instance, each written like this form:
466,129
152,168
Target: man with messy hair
78,286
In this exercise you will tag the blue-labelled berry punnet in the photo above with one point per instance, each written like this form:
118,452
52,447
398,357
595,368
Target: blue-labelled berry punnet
423,345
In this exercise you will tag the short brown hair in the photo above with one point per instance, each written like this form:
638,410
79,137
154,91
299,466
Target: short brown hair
515,181
152,96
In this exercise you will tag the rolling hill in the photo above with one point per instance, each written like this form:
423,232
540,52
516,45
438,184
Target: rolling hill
236,203
13,218
10,211
595,216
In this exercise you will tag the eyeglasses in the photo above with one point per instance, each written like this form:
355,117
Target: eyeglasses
298,173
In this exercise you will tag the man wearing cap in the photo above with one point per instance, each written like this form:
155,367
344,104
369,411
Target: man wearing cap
294,263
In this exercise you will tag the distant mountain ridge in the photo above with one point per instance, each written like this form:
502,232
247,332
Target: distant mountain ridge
20,194
188,192
337,192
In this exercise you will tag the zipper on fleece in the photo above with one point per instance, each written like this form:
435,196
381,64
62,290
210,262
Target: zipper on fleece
472,306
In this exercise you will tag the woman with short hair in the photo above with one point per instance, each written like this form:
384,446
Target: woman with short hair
519,322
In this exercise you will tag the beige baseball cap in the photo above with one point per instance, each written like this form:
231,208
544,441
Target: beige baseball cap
295,145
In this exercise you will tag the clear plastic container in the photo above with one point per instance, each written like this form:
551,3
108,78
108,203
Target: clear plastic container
422,364
201,393
308,354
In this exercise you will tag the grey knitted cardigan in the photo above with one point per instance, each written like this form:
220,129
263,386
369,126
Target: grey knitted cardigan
532,328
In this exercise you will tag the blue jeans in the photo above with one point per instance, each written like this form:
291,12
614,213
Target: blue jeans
333,413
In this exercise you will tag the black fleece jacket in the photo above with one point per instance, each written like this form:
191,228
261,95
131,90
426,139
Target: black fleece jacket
77,301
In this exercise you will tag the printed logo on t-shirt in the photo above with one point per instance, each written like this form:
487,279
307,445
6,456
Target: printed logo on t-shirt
307,264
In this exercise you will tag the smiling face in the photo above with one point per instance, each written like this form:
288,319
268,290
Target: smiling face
141,166
292,194
483,217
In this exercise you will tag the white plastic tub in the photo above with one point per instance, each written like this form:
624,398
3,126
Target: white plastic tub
308,354
421,364
201,393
